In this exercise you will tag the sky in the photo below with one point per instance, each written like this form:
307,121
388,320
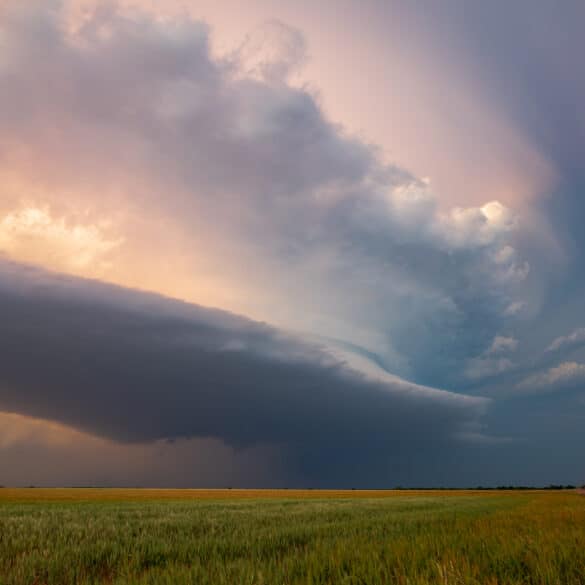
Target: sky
292,244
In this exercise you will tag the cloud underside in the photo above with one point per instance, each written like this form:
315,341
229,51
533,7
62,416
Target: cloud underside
43,453
134,367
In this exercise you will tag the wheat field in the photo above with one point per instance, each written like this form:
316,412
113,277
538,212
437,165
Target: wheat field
91,536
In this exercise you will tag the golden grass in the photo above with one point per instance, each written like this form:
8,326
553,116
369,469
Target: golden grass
9,495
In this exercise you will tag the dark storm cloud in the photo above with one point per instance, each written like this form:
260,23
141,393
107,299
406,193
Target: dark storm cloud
136,367
42,453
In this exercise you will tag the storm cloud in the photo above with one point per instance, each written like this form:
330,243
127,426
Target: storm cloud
135,157
134,367
243,178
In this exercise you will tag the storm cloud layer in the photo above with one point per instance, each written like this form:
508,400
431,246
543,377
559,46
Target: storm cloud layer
134,367
347,292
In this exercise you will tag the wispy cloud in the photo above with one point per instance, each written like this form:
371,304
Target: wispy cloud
502,344
565,375
568,342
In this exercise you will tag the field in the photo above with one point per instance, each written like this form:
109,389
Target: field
284,537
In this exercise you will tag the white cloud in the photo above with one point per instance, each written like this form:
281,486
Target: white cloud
575,339
514,308
478,226
478,368
502,344
32,234
567,374
273,52
491,362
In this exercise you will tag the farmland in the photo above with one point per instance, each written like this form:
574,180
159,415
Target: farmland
291,537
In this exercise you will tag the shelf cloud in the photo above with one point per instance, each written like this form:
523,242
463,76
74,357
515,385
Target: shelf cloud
135,368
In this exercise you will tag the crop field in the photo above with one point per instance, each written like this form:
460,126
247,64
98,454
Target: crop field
237,537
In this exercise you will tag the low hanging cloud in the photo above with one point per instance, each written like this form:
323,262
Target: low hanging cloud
42,453
134,368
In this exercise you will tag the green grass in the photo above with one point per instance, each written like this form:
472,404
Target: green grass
490,538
